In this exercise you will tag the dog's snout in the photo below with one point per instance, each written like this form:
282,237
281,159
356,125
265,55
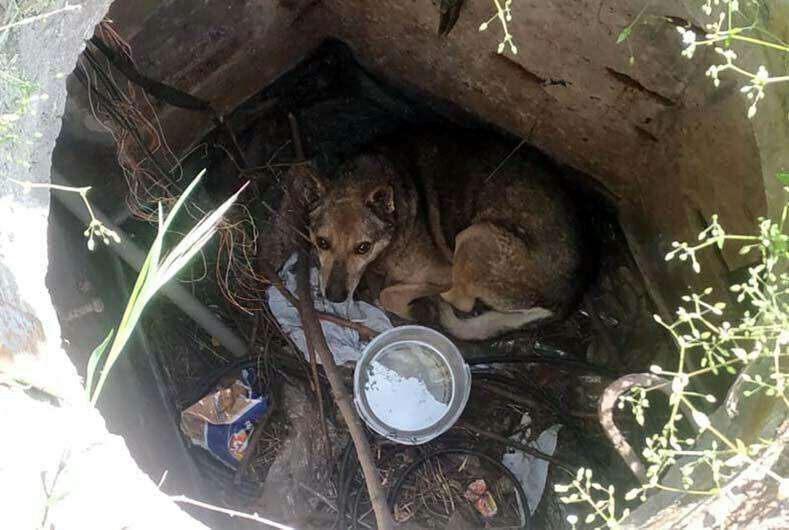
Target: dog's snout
337,286
336,293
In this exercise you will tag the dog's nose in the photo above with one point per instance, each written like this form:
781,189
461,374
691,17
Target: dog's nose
337,293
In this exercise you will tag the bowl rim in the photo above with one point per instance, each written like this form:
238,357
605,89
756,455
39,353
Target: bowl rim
453,359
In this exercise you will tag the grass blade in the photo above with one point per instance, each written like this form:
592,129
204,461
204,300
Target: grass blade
155,272
94,359
192,242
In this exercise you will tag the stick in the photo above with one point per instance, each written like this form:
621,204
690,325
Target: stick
295,132
517,445
521,400
605,410
316,383
232,513
30,20
268,271
312,328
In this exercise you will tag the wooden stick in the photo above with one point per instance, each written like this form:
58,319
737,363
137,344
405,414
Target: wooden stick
342,397
232,513
517,445
528,402
295,132
268,271
316,383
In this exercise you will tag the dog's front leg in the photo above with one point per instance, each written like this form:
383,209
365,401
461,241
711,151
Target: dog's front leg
398,298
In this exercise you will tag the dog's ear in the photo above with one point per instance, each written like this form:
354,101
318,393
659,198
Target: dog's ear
307,185
381,201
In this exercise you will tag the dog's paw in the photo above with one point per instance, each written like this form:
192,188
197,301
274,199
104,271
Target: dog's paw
424,310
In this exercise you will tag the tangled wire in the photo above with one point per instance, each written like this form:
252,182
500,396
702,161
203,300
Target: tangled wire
154,173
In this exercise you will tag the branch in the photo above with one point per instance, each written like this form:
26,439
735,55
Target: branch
42,16
605,410
268,271
536,453
312,329
232,513
253,442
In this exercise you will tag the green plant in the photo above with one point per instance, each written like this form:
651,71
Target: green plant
156,271
730,26
757,340
96,229
761,334
504,15
17,92
624,35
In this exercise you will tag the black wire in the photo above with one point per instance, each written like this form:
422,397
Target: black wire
540,359
355,508
207,383
347,471
395,491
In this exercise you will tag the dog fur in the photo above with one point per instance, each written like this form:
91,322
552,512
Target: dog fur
460,217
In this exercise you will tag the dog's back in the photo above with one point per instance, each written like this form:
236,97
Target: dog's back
468,178
461,215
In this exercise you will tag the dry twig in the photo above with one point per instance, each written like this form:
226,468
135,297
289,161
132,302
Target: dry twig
517,445
253,442
312,329
232,513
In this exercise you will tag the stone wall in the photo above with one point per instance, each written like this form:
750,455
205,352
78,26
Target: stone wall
59,467
665,146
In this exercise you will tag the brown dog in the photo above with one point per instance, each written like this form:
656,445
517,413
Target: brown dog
465,219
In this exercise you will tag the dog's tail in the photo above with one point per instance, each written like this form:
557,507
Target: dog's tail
490,323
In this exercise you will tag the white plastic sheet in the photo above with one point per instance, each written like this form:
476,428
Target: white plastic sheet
344,342
532,472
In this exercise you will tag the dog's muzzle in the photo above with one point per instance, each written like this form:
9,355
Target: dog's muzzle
337,288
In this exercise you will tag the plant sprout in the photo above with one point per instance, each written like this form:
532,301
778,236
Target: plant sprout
156,271
504,15
701,329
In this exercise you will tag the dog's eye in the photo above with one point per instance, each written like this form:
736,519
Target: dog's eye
363,248
323,244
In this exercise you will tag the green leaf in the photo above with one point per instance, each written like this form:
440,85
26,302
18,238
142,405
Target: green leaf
783,178
155,272
623,35
93,361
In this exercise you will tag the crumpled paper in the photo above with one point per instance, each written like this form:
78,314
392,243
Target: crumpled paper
531,472
345,343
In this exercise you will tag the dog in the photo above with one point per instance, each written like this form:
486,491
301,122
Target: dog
444,225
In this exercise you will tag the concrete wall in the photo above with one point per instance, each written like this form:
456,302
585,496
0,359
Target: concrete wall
667,147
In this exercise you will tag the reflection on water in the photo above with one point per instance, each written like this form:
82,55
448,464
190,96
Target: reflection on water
408,386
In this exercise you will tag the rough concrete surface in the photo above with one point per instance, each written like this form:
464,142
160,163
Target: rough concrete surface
666,147
59,466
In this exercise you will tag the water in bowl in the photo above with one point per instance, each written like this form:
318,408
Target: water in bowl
408,386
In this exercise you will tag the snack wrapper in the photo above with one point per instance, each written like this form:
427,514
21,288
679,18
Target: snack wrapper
478,494
223,421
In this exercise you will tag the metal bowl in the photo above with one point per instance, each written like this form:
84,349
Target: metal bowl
411,384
